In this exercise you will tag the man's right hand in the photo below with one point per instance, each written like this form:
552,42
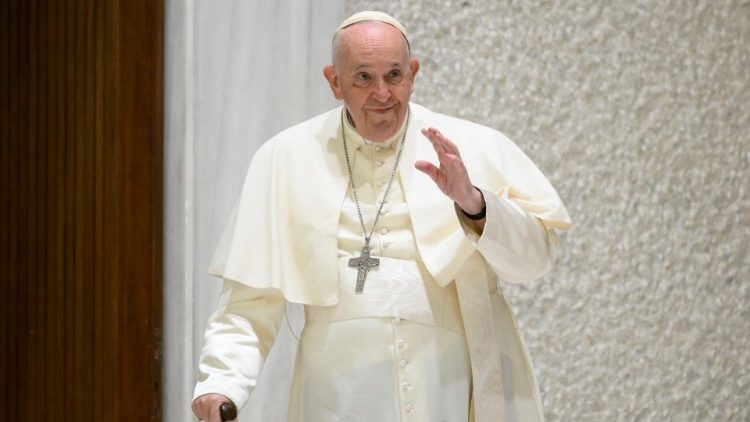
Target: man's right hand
206,407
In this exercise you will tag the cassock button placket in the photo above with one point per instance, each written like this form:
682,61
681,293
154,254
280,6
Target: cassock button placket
406,392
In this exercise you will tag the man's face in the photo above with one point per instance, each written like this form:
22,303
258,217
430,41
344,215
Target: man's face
374,76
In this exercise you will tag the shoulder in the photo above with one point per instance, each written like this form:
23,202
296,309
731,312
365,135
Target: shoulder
301,137
467,135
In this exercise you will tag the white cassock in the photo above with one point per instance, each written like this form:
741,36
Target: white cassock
431,332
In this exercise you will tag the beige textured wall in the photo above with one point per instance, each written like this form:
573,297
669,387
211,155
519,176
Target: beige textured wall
638,113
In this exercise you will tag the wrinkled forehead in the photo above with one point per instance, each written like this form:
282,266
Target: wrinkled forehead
373,16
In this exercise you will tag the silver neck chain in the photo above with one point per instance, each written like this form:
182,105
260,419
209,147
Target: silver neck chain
390,182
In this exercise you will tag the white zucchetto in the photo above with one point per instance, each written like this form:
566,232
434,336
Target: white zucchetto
371,15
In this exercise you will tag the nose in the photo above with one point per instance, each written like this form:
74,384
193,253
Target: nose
382,91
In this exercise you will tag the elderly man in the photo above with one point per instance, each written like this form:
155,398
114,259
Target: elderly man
397,269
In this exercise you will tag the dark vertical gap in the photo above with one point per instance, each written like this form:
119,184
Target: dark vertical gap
72,382
110,307
51,141
25,215
31,287
15,280
60,352
5,224
99,262
79,172
113,350
89,207
127,131
43,195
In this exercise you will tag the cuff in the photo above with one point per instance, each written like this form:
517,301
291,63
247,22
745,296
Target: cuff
237,395
470,229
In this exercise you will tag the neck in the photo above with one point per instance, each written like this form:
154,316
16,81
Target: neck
355,135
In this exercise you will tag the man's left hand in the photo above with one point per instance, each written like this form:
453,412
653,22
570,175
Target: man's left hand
451,177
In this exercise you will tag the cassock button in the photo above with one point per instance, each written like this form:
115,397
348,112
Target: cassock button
409,408
401,343
397,320
379,163
384,230
403,363
378,147
405,386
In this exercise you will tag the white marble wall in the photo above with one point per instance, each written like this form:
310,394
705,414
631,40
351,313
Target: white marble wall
236,72
639,113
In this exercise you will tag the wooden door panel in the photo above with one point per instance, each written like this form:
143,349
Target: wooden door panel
81,140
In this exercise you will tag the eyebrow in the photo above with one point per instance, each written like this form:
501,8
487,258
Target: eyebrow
363,65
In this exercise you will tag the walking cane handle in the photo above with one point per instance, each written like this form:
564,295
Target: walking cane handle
228,411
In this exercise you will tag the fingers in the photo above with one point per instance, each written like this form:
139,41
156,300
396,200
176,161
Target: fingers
451,176
206,407
440,142
214,414
427,168
451,165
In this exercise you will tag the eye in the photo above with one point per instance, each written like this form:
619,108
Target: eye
395,75
362,78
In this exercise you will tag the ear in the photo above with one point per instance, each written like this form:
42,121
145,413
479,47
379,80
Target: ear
333,81
414,68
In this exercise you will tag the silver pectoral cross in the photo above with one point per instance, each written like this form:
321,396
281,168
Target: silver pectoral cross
363,263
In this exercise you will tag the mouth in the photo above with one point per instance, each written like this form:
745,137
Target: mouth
381,110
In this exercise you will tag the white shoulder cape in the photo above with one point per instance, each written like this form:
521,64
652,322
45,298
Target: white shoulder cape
283,232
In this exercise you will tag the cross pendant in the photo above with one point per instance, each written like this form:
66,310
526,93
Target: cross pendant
363,263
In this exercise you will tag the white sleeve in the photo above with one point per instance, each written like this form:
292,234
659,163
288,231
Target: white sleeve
238,337
514,242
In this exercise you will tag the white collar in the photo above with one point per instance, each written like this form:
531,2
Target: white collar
358,140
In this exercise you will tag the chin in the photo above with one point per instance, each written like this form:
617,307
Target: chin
385,129
384,132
